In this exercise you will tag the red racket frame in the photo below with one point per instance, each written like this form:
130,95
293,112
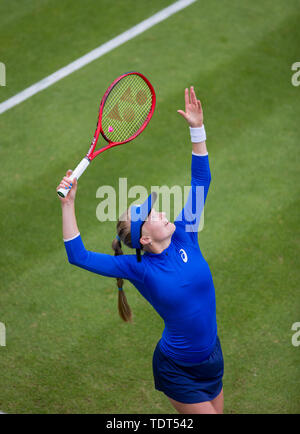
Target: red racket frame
91,154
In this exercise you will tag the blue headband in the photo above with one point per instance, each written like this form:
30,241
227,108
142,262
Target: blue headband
139,214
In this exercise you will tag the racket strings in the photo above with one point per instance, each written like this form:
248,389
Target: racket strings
126,108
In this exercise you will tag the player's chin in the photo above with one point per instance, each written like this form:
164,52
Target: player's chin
171,227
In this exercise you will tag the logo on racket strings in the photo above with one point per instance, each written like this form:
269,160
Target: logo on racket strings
128,114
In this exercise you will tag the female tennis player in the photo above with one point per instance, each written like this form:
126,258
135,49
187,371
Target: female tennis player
172,275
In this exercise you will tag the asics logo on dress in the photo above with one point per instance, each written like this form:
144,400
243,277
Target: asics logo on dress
183,255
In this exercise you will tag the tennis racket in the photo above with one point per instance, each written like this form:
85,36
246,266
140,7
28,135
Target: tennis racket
125,110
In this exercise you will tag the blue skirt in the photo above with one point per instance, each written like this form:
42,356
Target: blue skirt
189,384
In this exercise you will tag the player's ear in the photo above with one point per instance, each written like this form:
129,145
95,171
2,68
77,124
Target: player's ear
145,239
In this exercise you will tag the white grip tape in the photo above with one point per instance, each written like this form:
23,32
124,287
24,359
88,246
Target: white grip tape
75,174
80,168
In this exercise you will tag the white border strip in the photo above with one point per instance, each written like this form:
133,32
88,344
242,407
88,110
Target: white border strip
95,54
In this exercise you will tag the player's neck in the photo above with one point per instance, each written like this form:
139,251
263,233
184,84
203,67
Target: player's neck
159,247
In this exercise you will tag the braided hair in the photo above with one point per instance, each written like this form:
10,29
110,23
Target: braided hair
123,234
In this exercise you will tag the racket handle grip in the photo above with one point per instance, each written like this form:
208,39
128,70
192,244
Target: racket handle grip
78,171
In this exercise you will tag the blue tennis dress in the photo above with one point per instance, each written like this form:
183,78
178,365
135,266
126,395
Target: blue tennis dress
177,282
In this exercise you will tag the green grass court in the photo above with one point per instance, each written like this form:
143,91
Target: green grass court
67,350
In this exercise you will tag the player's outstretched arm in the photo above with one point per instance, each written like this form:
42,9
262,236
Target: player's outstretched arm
69,223
193,114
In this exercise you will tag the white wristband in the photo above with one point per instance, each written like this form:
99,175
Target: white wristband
198,134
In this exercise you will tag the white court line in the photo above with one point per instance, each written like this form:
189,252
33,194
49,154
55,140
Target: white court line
95,54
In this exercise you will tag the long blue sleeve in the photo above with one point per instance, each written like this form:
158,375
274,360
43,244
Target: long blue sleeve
188,220
123,266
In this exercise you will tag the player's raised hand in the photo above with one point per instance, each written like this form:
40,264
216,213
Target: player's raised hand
193,113
67,184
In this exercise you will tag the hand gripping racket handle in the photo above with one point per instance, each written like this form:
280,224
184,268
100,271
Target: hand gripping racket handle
76,174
